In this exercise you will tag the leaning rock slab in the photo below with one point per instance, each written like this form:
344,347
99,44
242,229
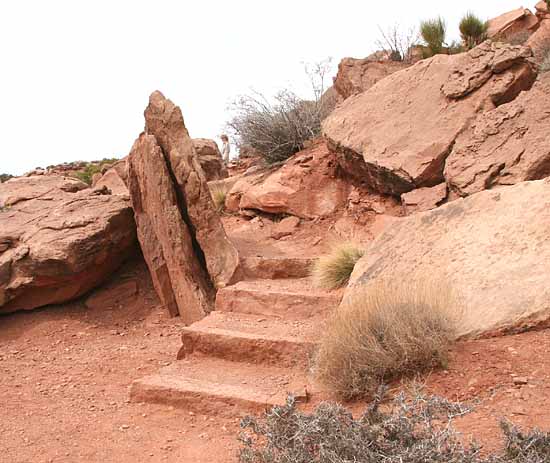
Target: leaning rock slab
504,146
164,120
58,240
396,136
492,248
519,21
178,275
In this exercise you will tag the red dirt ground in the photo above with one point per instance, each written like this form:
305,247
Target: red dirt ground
65,372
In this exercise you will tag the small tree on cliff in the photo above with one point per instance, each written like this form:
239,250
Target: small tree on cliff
278,127
433,32
472,30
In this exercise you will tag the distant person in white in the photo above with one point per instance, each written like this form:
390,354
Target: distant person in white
225,149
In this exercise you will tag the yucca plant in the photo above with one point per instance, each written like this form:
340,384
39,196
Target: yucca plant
472,30
433,32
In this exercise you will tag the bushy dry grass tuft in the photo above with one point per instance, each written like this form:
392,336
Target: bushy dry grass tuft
384,332
219,194
334,269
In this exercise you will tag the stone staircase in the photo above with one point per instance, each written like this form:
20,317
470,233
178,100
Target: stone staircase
253,350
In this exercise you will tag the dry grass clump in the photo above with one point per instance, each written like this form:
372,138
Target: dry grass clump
383,332
219,194
334,269
415,429
545,65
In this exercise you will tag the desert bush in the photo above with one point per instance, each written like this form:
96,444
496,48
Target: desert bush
399,42
433,32
278,128
219,194
472,30
384,332
334,269
5,177
411,429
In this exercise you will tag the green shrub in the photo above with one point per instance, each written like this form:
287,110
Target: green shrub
415,429
382,333
472,30
92,168
5,177
334,269
433,33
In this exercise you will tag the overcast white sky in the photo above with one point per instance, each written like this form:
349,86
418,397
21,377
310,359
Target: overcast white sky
75,75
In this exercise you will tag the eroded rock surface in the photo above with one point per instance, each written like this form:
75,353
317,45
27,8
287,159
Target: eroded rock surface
179,276
492,248
504,146
512,23
210,159
58,240
358,75
396,136
164,120
306,186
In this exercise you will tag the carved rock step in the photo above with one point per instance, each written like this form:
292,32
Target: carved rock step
293,299
220,387
276,267
252,338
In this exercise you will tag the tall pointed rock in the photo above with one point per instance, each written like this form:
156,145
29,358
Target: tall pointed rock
177,269
164,120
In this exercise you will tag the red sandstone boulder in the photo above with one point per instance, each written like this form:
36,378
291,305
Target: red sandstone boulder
307,186
542,9
512,23
492,248
210,159
357,75
396,136
115,179
424,199
506,145
163,120
58,240
178,273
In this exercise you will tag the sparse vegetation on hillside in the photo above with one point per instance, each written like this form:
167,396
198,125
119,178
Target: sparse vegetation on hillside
5,177
92,168
472,30
433,32
399,42
382,333
334,269
415,429
278,128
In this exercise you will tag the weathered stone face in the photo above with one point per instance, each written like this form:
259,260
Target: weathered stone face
180,278
396,136
492,248
58,240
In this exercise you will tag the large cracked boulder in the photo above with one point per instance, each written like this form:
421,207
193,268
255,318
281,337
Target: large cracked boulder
58,240
492,248
358,75
504,146
396,136
306,186
179,276
164,120
210,159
